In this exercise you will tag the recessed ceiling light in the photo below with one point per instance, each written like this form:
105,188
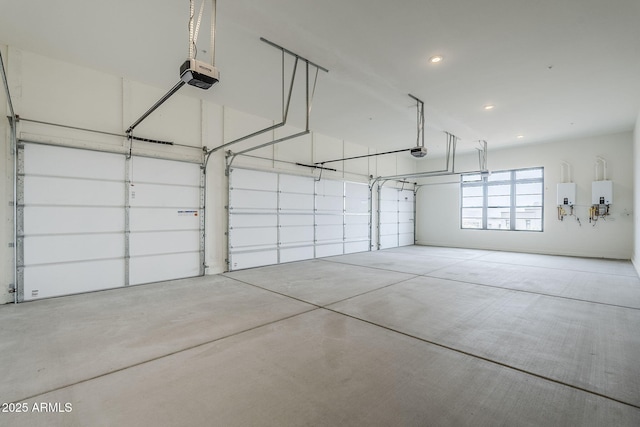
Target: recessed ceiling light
520,136
489,107
436,58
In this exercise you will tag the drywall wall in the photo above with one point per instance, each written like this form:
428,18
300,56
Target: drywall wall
438,203
79,97
636,195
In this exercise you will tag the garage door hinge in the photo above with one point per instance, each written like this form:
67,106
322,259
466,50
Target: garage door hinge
12,289
11,203
11,244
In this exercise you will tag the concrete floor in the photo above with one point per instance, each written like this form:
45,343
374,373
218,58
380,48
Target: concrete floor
414,336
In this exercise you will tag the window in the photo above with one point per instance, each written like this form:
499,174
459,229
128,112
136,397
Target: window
503,200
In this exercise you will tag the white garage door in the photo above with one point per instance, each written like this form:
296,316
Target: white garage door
396,211
77,234
276,218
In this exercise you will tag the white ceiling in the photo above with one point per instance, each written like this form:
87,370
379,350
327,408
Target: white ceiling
554,69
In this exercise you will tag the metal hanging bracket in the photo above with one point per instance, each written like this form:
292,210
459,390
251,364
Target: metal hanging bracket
420,150
286,103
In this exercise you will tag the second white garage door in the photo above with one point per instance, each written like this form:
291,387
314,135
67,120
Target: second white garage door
276,217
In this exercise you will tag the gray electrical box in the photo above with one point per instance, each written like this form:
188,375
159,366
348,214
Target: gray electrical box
602,192
567,194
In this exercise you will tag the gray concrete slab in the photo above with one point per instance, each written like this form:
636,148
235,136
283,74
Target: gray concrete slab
318,281
439,251
51,343
614,289
593,265
588,345
413,262
324,369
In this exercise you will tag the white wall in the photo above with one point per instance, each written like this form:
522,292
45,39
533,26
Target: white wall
51,90
636,195
438,206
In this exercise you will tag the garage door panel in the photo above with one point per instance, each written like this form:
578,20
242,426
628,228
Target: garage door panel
71,162
330,188
256,180
157,195
405,217
149,243
296,234
388,206
151,219
296,202
389,194
406,239
296,220
253,200
330,203
296,254
241,260
356,219
296,184
64,279
325,250
405,206
357,205
353,247
73,191
149,269
160,171
239,220
389,229
390,241
357,231
57,220
329,232
329,219
405,228
389,217
247,237
357,191
58,249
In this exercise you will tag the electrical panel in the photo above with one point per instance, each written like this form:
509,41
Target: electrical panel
567,194
602,192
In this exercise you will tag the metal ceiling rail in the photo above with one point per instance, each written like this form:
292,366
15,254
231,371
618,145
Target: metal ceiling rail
101,132
13,123
155,106
361,157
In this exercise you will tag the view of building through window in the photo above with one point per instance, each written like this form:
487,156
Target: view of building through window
503,200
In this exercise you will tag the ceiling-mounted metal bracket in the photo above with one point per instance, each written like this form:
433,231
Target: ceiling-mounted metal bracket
420,121
286,103
482,155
